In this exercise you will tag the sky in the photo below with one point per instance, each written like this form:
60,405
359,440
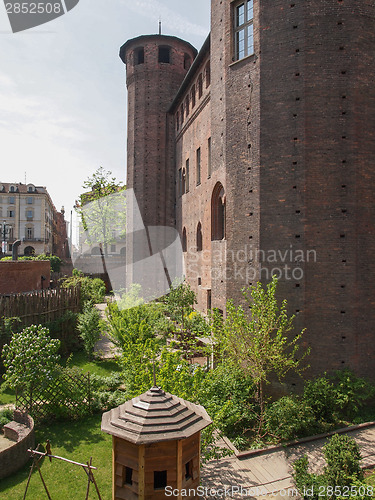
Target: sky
63,93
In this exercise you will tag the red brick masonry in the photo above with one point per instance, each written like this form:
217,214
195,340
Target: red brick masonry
24,276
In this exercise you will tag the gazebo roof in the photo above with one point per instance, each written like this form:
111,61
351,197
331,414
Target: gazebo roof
153,417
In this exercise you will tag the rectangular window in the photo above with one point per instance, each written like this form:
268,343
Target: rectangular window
29,214
182,114
209,158
164,55
244,29
198,166
29,233
10,213
139,56
128,475
178,120
187,175
113,248
160,479
29,200
187,106
180,181
12,200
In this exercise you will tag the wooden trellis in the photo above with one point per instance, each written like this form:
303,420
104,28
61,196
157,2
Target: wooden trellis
68,396
38,456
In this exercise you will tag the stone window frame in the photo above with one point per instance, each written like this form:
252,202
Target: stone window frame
161,54
139,56
243,23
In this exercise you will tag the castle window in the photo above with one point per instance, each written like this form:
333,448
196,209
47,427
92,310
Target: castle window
164,55
187,61
193,96
198,166
200,85
218,213
243,29
208,74
180,181
199,237
139,56
187,105
187,175
183,182
184,240
182,113
209,158
178,120
160,479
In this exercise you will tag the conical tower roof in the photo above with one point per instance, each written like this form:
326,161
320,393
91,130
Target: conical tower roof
155,416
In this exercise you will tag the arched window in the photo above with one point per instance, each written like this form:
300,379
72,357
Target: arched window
184,240
199,237
218,201
200,85
29,251
208,74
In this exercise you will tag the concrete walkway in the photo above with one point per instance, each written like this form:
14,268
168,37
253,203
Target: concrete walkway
270,473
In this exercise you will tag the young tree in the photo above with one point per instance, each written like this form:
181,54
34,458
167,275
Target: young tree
102,209
30,359
180,301
259,344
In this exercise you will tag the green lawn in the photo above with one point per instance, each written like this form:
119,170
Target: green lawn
98,366
76,441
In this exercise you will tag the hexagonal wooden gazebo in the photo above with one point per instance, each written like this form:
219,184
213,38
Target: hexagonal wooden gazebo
156,443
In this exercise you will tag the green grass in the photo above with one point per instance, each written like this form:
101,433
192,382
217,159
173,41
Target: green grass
98,366
76,441
7,397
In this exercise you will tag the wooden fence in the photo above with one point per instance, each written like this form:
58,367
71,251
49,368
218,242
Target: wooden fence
40,306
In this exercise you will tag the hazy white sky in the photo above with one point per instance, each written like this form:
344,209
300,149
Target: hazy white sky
63,93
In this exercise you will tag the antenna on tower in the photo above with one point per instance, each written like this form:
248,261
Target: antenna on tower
25,178
159,25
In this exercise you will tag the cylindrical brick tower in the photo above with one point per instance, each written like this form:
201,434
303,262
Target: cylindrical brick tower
155,68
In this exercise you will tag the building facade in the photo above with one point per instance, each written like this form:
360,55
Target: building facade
271,144
27,213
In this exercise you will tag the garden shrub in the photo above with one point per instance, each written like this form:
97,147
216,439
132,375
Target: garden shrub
6,416
342,471
352,393
89,326
197,324
91,290
320,395
289,418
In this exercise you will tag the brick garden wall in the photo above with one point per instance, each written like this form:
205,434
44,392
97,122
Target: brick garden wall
23,276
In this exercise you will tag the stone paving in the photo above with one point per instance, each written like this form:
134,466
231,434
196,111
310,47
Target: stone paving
270,473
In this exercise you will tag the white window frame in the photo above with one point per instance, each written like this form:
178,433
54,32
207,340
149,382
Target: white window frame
243,29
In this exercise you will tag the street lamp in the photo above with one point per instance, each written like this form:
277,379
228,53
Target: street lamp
5,232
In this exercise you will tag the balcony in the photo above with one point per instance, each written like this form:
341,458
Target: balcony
34,240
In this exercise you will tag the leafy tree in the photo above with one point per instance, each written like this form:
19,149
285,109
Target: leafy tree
102,209
259,344
30,359
180,301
